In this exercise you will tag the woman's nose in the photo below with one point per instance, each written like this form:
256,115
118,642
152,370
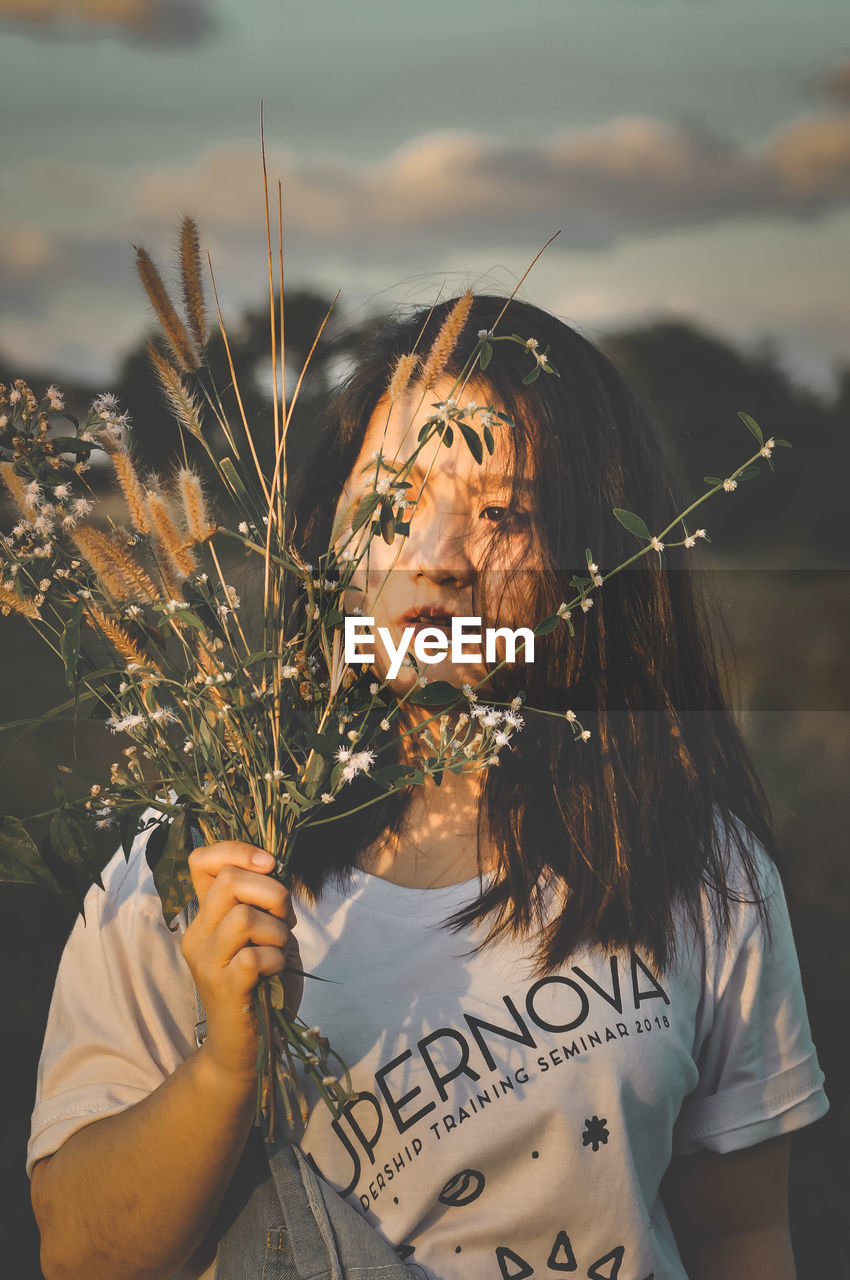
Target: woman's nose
436,548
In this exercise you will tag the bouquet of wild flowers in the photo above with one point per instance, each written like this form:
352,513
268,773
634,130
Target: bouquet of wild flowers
244,733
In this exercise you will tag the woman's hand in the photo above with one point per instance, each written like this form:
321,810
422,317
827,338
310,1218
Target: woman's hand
242,932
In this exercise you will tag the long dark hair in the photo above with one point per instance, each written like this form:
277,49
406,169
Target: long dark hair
644,815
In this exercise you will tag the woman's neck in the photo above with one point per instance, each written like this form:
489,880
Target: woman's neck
438,844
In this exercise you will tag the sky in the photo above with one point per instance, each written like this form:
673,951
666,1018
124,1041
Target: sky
694,156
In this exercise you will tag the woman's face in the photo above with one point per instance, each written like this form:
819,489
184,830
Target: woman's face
451,526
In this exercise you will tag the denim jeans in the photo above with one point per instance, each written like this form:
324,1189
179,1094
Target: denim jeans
279,1220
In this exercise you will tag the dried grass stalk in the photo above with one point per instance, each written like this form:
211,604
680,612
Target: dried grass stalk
182,401
11,601
18,490
119,639
131,487
183,347
173,556
190,272
198,523
401,376
446,339
122,576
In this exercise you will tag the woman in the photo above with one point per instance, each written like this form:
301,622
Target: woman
566,986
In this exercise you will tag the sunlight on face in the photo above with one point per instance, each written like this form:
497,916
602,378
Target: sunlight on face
457,509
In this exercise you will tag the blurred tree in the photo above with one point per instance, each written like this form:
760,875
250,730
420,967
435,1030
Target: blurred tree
694,384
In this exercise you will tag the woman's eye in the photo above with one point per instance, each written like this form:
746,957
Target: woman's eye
503,515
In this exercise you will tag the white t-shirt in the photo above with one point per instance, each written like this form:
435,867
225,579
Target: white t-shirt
508,1125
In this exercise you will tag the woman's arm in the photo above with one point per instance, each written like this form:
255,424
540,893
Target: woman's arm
132,1196
730,1212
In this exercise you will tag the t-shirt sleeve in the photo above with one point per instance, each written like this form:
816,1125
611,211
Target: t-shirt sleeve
759,1075
122,1013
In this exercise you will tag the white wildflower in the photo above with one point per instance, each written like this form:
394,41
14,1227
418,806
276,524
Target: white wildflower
562,610
584,735
327,798
343,754
163,715
570,715
729,485
592,567
767,449
385,724
422,681
655,544
501,738
62,491
470,693
55,398
586,604
690,541
374,687
243,528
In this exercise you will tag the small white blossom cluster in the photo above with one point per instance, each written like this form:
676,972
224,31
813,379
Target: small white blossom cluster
355,762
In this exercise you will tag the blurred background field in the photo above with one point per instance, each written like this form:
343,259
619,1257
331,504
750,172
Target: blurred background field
695,158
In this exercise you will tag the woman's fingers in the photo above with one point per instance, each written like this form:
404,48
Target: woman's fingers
207,862
245,924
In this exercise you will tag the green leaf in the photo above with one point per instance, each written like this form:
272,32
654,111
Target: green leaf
531,377
128,827
634,523
387,522
547,624
191,619
393,772
749,473
70,444
785,443
712,480
71,841
69,643
753,426
167,852
434,695
485,355
365,507
472,440
403,527
488,439
20,860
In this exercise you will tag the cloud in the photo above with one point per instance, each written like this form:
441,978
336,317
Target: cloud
630,176
170,22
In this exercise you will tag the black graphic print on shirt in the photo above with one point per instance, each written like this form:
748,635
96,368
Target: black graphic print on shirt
455,1075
